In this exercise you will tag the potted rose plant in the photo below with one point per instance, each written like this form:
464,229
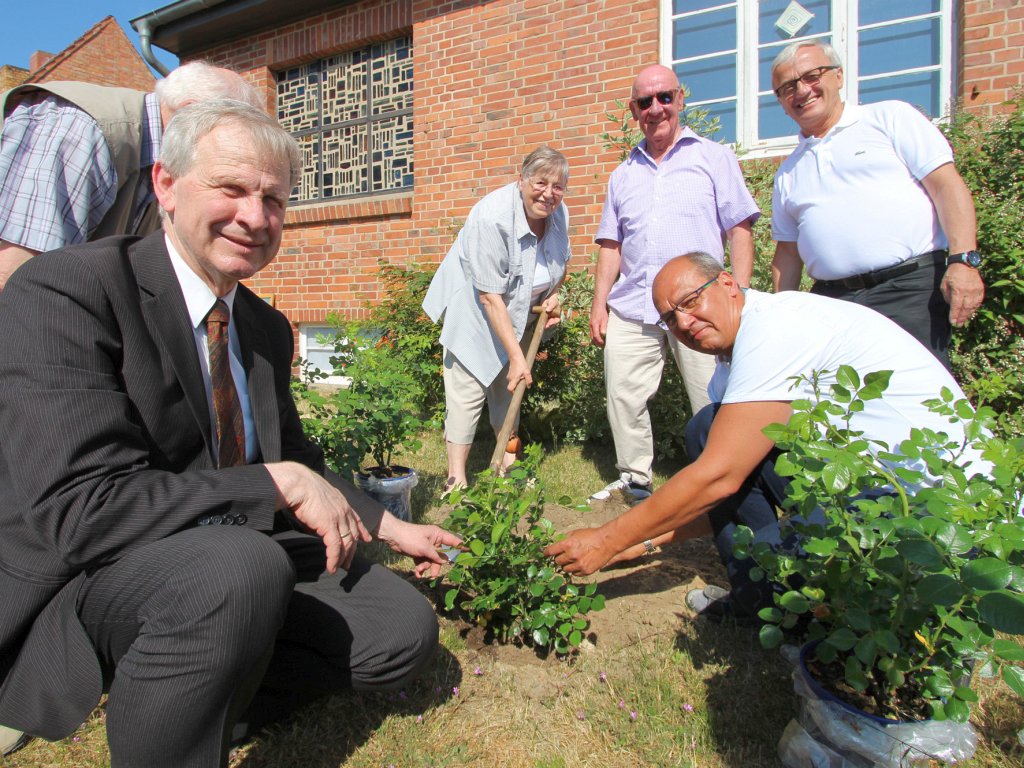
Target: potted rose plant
915,579
373,416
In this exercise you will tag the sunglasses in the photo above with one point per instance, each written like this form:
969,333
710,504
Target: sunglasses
664,98
812,77
686,305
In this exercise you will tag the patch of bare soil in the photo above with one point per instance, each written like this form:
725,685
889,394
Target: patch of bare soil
646,594
643,597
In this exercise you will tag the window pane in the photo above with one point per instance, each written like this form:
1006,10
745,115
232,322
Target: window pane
772,122
725,111
713,78
298,98
874,11
391,76
319,358
344,87
686,6
920,89
319,347
343,161
707,33
308,187
391,154
771,10
900,46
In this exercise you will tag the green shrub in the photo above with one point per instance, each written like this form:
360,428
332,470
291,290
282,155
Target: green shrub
566,403
905,590
373,416
407,331
504,581
759,176
990,156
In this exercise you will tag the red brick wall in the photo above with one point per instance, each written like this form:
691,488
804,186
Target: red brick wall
104,57
992,41
493,80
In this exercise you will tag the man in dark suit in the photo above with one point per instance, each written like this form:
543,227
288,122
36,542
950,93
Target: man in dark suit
150,547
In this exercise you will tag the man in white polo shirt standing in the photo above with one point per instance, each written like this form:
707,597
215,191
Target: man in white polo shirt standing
871,203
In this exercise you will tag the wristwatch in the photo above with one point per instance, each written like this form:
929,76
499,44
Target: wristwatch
970,258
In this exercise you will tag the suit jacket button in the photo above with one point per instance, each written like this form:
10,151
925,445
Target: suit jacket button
229,519
216,520
203,521
241,519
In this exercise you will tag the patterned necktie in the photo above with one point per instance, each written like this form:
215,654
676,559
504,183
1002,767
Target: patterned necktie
227,411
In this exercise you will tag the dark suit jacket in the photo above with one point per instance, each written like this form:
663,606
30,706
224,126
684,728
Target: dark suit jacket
105,445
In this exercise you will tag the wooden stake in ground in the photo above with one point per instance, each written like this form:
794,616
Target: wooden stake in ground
517,396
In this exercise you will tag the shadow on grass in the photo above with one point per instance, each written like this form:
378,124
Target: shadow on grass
326,733
750,696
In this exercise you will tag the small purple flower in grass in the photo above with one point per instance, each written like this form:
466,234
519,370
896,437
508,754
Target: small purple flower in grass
419,718
478,671
622,704
580,715
455,691
687,707
602,677
437,689
77,739
403,695
632,715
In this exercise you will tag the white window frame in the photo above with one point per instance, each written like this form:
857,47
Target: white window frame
843,39
307,335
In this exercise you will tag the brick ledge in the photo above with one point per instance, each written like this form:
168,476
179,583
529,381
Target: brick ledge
347,210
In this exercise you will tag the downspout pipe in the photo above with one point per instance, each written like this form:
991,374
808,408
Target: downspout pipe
147,26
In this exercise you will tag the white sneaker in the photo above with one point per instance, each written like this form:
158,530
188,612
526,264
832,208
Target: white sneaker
11,740
625,483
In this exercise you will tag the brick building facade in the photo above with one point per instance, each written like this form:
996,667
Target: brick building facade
992,65
495,78
103,55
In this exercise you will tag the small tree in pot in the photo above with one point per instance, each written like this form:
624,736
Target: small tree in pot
912,574
374,415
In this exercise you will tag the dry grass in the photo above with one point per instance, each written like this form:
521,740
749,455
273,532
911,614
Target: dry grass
681,693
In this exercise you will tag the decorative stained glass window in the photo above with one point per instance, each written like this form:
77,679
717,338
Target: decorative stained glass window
352,116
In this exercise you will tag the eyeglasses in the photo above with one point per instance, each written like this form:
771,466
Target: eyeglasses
664,98
811,77
685,305
540,186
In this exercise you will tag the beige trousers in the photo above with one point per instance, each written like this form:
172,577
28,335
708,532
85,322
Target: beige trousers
464,399
634,358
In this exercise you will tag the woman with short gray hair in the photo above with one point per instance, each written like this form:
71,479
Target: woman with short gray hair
510,255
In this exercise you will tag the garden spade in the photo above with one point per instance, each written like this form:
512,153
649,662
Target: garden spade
517,395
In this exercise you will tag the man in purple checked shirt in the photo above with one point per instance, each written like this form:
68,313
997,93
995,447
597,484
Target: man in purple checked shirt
677,192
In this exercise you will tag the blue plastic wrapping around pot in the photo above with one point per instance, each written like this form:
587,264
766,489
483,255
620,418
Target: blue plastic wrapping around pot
395,493
830,733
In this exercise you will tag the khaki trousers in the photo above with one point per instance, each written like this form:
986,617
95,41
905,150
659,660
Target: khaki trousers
634,358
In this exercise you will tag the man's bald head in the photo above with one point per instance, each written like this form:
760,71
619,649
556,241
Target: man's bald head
654,73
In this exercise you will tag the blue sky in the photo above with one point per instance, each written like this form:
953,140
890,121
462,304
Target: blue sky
52,25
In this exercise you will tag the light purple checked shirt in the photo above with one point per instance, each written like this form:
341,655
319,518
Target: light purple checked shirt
659,211
57,177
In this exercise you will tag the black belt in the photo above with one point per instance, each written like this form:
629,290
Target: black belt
879,276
